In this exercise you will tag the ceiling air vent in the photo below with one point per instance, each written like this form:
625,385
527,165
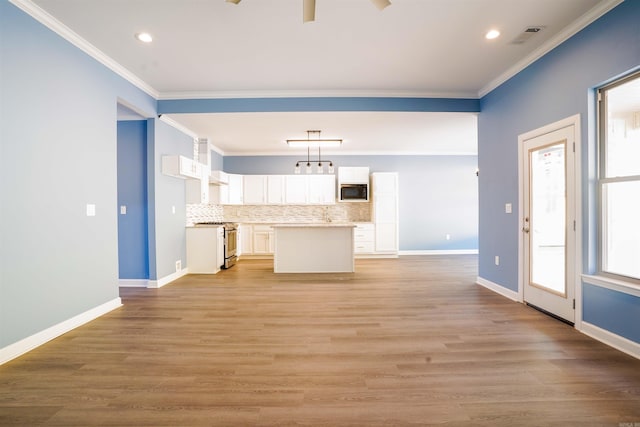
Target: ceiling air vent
528,32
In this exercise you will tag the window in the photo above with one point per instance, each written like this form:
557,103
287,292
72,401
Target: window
619,179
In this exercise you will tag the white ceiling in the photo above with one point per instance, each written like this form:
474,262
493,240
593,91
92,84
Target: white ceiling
433,48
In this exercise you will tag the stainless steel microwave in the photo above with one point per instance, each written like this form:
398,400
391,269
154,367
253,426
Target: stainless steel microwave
354,192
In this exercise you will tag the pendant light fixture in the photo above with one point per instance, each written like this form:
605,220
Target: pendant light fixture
316,142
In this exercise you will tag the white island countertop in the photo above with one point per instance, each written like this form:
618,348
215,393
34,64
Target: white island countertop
314,248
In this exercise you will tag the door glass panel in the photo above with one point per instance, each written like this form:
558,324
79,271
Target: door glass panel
548,217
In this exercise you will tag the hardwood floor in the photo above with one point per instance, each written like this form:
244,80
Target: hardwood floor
409,341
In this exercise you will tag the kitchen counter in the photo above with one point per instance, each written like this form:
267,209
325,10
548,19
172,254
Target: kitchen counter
314,248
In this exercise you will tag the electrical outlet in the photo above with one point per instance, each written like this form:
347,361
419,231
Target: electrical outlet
91,210
497,260
123,210
448,237
178,266
173,209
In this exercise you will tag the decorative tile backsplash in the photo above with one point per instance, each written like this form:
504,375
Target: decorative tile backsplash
340,212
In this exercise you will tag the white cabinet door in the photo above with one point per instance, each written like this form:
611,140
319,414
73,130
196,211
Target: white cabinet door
235,189
255,189
275,189
245,238
386,237
385,211
322,189
296,189
263,239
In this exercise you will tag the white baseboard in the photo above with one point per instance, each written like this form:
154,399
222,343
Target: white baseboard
613,340
167,279
508,293
133,283
443,252
27,344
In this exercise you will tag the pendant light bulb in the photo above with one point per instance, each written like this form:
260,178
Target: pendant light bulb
297,169
320,168
330,169
309,170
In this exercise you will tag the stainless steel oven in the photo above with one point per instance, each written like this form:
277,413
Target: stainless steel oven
230,244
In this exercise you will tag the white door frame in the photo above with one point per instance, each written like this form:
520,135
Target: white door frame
522,157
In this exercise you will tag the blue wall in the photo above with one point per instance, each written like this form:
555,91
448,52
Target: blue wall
557,86
133,241
438,194
58,136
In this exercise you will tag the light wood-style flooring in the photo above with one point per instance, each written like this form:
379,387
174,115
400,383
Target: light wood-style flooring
409,341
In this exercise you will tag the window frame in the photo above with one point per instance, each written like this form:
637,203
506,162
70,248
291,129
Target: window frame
602,179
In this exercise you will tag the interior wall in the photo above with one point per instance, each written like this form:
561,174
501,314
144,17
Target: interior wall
133,241
438,195
58,154
168,201
555,87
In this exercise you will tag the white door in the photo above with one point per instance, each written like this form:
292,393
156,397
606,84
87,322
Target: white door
548,222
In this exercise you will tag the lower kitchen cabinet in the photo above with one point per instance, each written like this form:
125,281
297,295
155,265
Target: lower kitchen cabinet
363,238
263,240
256,239
205,249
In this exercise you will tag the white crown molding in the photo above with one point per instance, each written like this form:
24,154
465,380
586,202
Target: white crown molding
65,32
314,94
178,126
582,22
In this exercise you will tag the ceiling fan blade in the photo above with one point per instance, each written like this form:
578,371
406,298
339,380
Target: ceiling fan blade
381,4
308,10
234,1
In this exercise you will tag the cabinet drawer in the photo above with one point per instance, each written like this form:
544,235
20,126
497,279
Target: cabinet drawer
363,247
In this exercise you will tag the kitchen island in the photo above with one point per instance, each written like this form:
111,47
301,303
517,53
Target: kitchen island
313,248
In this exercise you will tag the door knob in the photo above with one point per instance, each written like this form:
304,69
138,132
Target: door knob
525,229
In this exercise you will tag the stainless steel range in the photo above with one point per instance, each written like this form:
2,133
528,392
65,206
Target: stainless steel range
230,242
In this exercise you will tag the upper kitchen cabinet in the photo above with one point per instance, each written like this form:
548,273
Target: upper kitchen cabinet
310,189
232,193
255,189
275,189
181,167
322,189
295,189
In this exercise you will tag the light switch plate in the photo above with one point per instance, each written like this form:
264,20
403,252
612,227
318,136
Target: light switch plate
91,210
123,210
507,208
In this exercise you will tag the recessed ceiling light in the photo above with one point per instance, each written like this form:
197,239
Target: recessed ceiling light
144,37
492,34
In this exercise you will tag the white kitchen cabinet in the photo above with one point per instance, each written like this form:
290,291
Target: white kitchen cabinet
295,187
245,239
364,238
233,192
275,189
255,189
321,189
310,189
385,211
263,240
203,249
181,167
